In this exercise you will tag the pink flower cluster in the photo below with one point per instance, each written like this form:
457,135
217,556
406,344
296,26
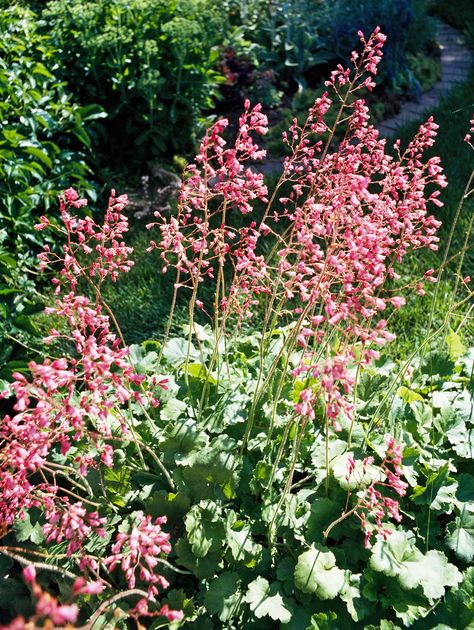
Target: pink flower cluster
220,183
351,213
68,400
372,506
138,552
468,136
72,523
69,411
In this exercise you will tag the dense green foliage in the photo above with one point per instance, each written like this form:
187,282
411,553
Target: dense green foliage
44,147
227,499
156,67
253,550
294,37
152,65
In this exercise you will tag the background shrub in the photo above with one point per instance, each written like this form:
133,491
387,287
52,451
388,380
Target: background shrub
45,145
152,65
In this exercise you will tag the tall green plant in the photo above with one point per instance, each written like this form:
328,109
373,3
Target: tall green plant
150,64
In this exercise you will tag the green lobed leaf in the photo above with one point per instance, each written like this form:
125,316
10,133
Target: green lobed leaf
439,491
28,528
461,536
177,350
316,572
204,528
201,567
223,597
455,345
266,601
398,557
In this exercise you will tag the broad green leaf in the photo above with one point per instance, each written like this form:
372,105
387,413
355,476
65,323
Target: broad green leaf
316,572
172,409
461,536
398,557
266,601
40,155
455,346
465,491
177,350
199,371
28,528
439,491
184,437
211,471
324,511
204,528
384,591
437,364
142,361
202,568
465,447
170,504
223,597
389,555
431,571
408,395
357,607
240,541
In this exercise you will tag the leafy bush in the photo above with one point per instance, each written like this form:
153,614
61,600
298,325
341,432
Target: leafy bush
405,22
44,144
292,37
150,64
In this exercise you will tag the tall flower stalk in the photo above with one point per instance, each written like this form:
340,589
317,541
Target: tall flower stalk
340,220
68,417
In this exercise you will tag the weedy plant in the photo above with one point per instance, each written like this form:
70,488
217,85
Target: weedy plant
276,459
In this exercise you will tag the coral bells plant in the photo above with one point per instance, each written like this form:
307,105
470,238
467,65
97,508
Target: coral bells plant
69,416
258,464
322,254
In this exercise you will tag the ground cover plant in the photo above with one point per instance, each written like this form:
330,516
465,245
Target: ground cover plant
292,476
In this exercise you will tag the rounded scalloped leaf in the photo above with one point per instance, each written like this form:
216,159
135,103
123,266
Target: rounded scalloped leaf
316,572
223,597
461,536
266,601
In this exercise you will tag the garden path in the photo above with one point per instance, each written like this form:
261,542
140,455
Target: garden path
456,61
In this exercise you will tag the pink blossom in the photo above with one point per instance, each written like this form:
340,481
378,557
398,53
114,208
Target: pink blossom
137,553
82,587
372,506
29,574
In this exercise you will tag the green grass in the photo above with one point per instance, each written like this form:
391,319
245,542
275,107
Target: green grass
452,115
141,299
